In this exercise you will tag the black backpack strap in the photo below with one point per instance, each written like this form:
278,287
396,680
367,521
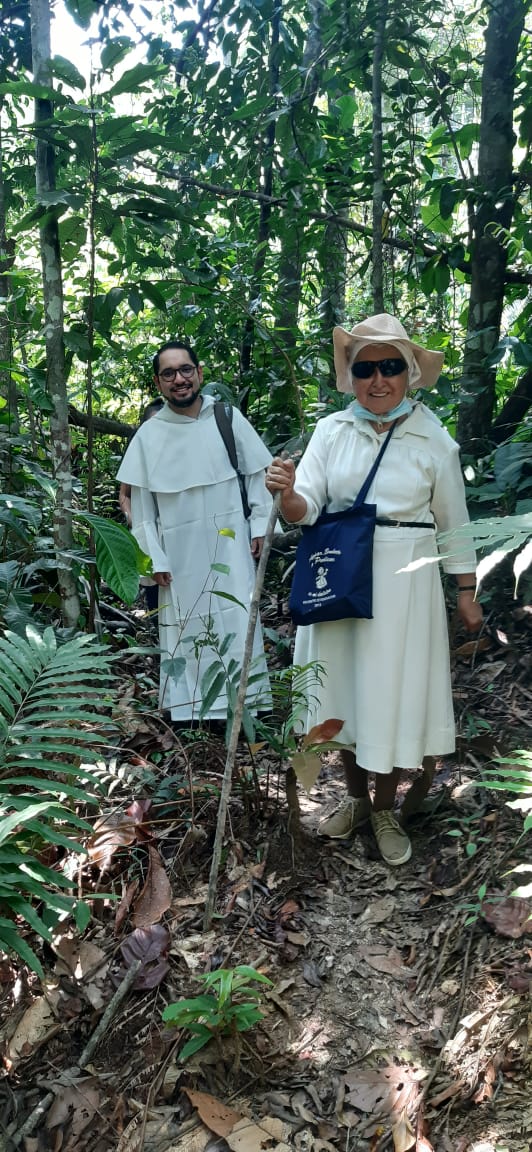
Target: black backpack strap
223,414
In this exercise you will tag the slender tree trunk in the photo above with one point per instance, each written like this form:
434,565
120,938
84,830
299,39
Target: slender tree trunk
54,323
285,397
265,188
514,410
333,263
8,389
377,273
494,211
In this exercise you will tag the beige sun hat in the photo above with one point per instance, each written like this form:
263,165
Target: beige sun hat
424,366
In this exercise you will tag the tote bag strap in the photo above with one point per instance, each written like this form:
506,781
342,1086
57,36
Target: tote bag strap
371,474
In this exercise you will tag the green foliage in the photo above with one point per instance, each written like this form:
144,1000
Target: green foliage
501,534
229,1006
119,559
292,690
51,701
514,775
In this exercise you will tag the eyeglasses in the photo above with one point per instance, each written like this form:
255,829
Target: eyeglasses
392,366
185,370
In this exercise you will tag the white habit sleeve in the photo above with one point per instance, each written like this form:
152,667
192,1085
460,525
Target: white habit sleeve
144,527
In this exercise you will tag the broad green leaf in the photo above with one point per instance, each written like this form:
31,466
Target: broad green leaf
82,915
430,215
212,684
252,108
10,941
118,556
63,69
153,293
223,568
227,596
199,1005
82,10
174,667
114,51
135,78
36,91
194,1045
8,824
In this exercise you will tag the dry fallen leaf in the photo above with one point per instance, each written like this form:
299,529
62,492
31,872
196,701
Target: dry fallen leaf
125,904
387,960
217,1116
322,733
307,767
270,1133
383,1091
194,1141
378,911
446,1093
87,964
403,1134
35,1025
72,1111
151,946
117,830
156,896
509,917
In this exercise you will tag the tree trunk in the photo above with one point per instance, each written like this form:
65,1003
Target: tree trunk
514,410
494,211
377,278
285,397
7,385
54,323
265,188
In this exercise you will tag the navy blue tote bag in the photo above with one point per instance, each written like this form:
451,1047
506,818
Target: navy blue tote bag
333,576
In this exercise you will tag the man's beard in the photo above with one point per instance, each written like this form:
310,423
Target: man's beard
185,403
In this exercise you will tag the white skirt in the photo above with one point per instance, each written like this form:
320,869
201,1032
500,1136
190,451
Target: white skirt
387,678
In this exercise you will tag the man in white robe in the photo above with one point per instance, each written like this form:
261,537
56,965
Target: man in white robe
187,515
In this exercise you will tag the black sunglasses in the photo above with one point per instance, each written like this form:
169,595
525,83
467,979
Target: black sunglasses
392,366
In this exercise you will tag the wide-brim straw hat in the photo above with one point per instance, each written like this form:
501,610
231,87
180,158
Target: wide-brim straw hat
383,329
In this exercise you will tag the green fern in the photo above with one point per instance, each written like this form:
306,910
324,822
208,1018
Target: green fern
51,699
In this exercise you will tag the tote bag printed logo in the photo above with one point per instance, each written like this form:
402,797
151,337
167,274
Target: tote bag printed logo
320,565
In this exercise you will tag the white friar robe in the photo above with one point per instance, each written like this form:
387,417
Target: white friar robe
388,678
187,516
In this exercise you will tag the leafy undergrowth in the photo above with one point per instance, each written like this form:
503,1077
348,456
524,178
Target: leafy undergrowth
397,1015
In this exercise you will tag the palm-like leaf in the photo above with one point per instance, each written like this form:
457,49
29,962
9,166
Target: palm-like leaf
52,700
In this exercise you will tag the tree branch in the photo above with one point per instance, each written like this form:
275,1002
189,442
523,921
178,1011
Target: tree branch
225,191
103,424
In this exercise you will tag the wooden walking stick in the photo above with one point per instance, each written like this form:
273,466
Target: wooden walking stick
237,717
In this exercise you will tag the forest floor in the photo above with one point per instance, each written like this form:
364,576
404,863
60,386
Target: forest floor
399,1014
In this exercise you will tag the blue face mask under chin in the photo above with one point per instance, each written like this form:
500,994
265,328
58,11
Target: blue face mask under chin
402,409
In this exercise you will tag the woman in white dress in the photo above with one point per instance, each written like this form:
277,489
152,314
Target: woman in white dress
387,678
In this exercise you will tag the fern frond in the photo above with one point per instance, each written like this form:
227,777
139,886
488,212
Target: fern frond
51,728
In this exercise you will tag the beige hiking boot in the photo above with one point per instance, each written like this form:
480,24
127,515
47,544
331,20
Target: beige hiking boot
343,821
393,843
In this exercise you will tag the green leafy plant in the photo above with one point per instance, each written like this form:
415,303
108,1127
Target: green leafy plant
51,697
467,832
514,775
229,1006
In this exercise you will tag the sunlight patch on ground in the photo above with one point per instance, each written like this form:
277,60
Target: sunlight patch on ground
312,1043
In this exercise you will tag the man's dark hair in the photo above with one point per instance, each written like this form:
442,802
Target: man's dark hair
174,344
154,406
